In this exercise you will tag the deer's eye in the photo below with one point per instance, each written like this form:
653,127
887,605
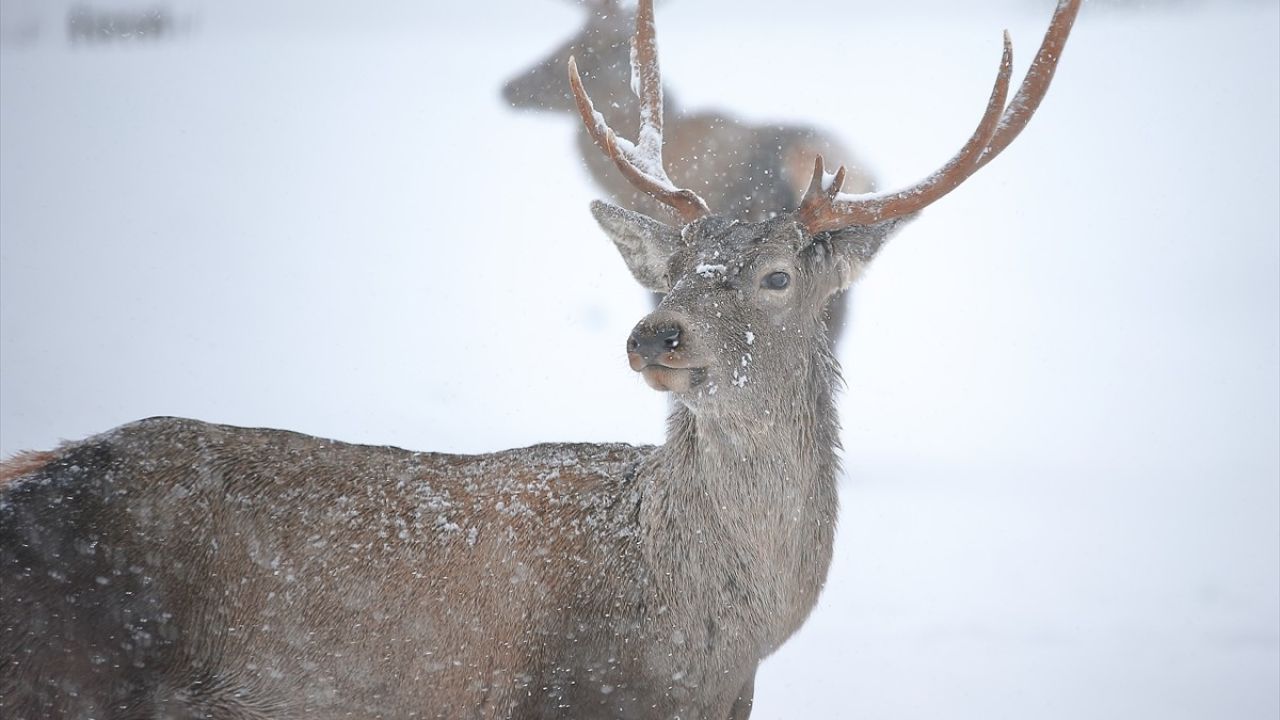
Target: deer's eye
777,280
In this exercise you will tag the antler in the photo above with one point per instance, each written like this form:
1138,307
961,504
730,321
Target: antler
824,208
641,162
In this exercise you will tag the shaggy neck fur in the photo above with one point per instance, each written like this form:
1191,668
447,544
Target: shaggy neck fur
739,510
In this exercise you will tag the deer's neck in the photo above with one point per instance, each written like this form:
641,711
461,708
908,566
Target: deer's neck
795,430
749,498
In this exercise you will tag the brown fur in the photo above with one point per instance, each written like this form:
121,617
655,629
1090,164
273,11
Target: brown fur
309,577
25,463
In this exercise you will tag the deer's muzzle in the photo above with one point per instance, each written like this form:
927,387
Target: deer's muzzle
656,350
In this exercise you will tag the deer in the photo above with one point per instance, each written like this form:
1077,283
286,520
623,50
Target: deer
177,568
751,171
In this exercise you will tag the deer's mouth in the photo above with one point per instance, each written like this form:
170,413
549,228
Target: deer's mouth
668,372
669,379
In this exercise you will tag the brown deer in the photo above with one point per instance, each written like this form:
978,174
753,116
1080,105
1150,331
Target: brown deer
747,171
174,568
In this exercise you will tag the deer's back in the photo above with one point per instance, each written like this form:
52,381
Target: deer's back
178,567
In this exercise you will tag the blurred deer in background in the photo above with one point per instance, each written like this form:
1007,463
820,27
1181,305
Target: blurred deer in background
749,172
175,568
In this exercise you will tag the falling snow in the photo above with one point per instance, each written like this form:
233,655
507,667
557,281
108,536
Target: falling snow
1137,596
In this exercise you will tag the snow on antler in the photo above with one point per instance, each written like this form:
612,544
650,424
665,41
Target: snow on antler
640,162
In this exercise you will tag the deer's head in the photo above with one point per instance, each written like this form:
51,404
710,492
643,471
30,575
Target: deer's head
742,302
746,300
602,48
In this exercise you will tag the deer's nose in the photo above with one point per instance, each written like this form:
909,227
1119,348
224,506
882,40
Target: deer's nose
654,344
511,92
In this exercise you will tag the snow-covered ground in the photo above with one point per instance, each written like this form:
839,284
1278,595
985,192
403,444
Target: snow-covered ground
1063,414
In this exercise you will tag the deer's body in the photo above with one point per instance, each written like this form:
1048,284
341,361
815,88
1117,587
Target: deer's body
173,568
177,569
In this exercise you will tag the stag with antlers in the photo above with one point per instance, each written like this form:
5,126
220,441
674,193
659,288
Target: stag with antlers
175,568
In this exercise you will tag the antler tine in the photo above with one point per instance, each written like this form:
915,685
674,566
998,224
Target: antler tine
826,210
1036,84
641,162
819,179
816,210
647,79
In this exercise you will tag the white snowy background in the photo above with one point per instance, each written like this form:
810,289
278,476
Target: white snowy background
1063,415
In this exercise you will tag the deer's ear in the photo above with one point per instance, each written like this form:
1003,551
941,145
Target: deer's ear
852,249
646,244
